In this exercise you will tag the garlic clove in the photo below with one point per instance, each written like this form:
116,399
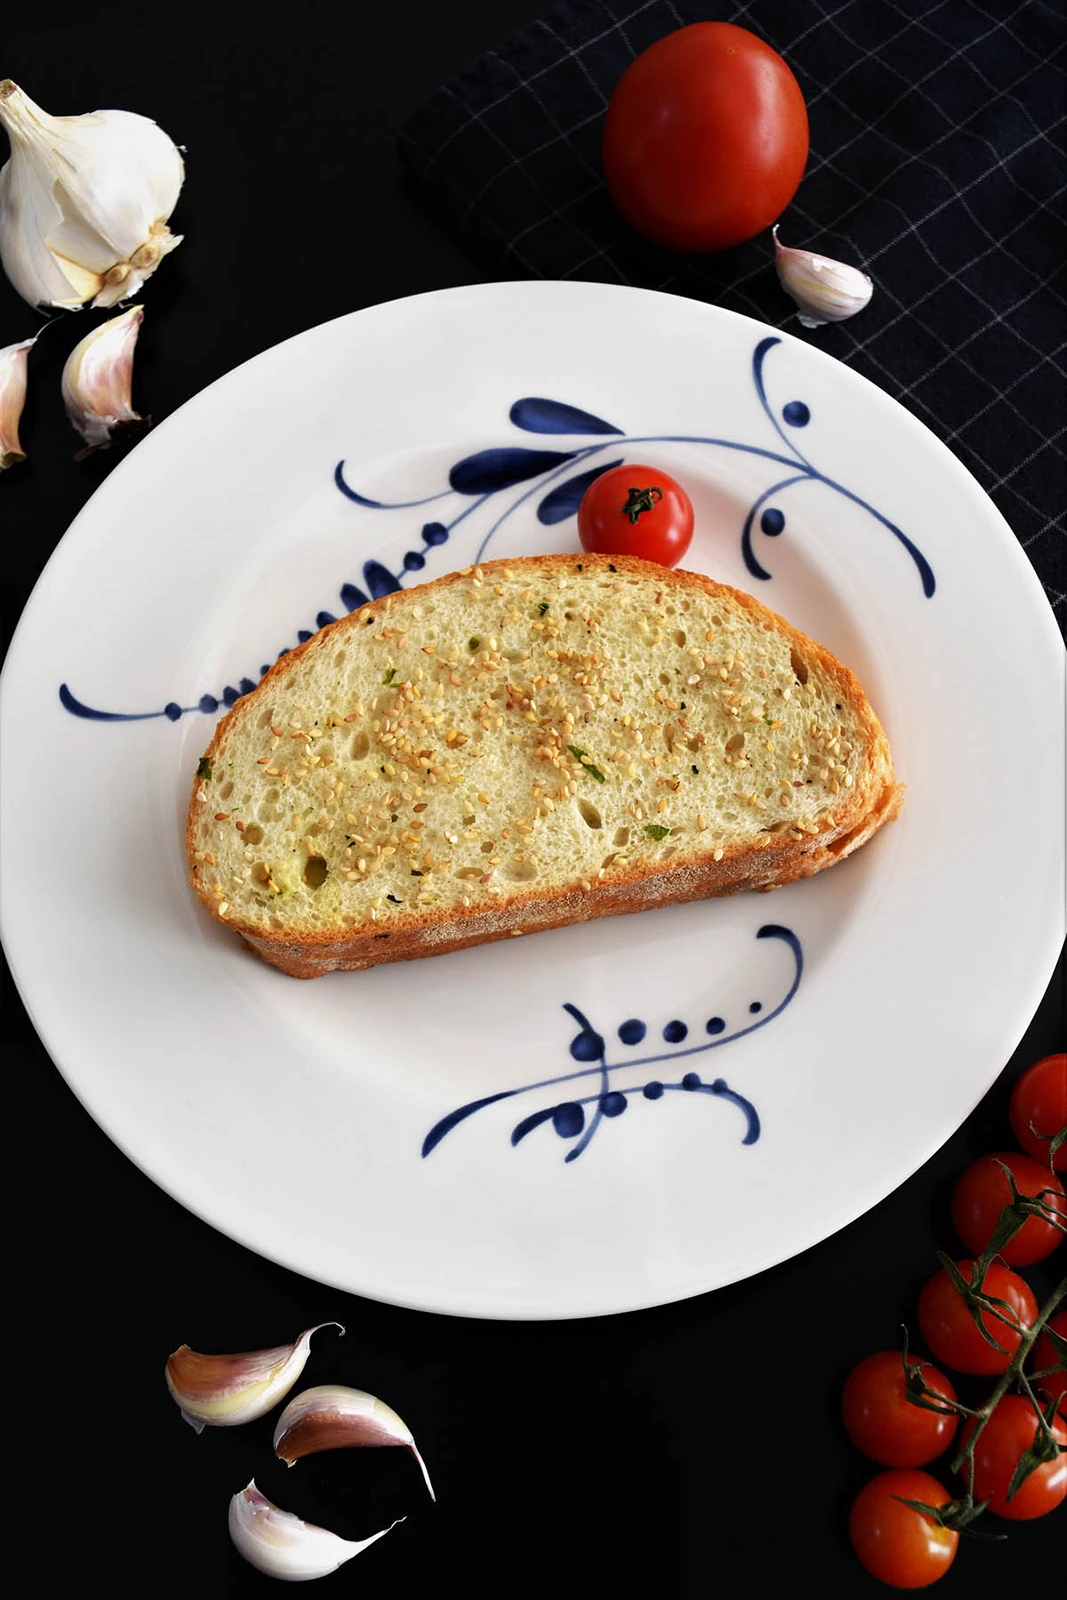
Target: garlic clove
98,379
824,290
13,363
84,202
281,1545
224,1391
331,1417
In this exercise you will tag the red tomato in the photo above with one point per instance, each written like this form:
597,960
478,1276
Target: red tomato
897,1544
881,1420
982,1192
1008,1433
949,1330
706,138
1043,1356
1039,1106
636,511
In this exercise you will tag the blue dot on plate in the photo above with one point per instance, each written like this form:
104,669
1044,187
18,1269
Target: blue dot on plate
715,1024
568,1120
653,1090
632,1032
614,1104
208,704
434,532
675,1032
172,710
772,522
587,1046
757,1005
796,414
691,1081
413,562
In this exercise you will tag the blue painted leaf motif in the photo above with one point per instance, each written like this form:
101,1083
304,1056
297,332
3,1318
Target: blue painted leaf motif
351,597
536,415
491,470
379,579
563,501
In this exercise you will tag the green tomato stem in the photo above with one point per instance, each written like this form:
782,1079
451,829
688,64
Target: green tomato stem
1012,1373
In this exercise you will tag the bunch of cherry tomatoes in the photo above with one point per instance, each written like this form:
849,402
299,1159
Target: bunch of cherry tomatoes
902,1411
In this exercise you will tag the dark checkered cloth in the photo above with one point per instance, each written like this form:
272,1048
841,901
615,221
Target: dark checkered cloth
937,143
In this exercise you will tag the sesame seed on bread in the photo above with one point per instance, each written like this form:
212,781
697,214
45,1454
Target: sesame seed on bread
522,745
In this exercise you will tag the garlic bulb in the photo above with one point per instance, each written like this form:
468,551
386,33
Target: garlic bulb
98,380
281,1545
224,1391
84,202
332,1417
12,399
824,290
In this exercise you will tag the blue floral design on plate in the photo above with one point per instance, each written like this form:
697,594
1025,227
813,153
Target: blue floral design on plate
549,475
580,1117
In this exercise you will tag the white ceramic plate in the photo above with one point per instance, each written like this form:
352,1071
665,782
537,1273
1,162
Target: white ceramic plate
851,1021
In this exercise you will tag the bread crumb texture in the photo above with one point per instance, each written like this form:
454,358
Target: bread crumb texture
524,744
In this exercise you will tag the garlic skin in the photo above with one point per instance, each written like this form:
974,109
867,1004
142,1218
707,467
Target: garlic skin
281,1545
13,362
332,1417
224,1391
84,202
98,380
824,290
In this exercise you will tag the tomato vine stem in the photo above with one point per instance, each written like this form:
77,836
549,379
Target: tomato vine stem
959,1512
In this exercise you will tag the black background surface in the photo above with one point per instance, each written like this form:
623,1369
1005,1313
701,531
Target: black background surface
655,1452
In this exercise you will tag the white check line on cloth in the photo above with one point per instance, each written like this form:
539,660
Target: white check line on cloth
483,111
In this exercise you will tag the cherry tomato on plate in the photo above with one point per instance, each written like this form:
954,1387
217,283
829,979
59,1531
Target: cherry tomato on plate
983,1190
1043,1356
947,1327
1038,1107
897,1544
705,138
1006,1436
636,511
881,1420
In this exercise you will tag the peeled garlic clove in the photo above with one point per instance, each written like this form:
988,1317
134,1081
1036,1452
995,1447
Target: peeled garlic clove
224,1391
331,1417
12,399
824,290
84,202
281,1545
98,380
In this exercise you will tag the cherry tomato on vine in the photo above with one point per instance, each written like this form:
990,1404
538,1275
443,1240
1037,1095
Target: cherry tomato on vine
1006,1436
1039,1106
705,138
896,1543
948,1329
983,1190
1043,1356
881,1420
636,511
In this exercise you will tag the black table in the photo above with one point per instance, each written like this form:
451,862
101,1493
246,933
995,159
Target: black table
646,1453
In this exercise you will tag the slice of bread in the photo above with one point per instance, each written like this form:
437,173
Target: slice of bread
522,745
